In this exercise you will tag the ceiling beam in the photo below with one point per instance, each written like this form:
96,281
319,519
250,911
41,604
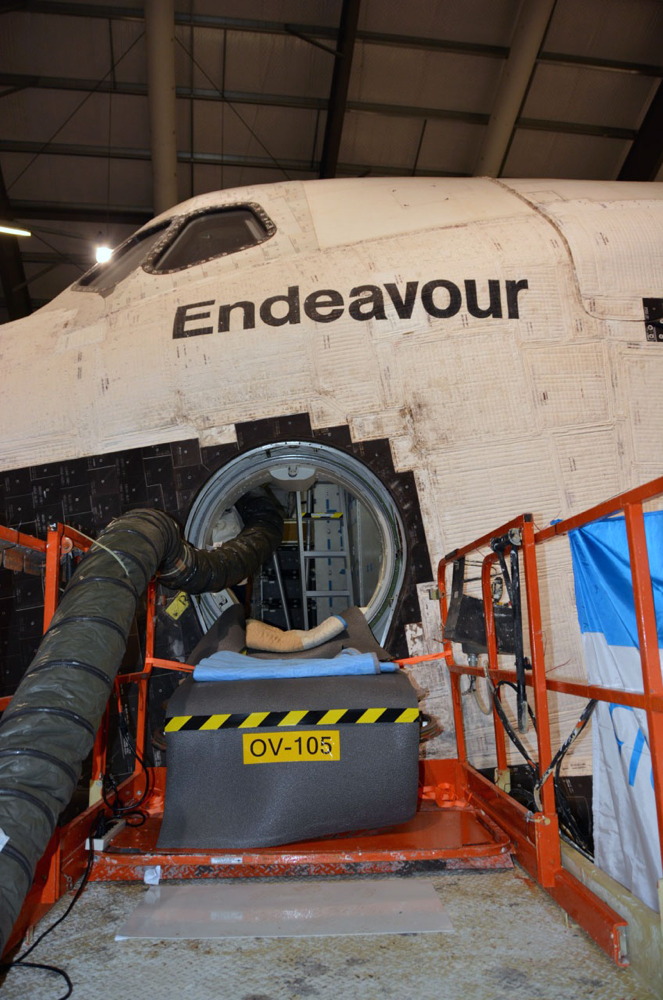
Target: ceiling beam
645,157
136,153
18,81
57,212
345,44
144,154
220,23
80,261
316,104
528,37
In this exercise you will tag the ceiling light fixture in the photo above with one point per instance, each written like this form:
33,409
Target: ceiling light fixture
103,254
12,230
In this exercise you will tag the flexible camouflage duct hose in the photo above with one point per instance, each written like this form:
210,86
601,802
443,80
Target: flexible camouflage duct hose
49,728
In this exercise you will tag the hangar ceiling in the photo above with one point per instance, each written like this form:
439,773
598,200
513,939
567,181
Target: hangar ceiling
255,91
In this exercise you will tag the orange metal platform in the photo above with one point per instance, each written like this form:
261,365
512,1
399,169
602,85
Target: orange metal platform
464,820
445,833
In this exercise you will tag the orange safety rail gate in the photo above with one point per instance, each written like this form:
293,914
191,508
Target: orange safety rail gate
535,836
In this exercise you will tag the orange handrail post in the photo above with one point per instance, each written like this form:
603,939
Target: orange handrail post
645,616
52,572
549,857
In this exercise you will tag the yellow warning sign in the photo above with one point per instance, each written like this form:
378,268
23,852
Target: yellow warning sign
302,745
178,605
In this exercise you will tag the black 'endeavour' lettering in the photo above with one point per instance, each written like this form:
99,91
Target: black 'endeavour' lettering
439,298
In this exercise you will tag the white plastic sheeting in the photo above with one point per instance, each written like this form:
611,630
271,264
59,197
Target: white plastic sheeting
288,909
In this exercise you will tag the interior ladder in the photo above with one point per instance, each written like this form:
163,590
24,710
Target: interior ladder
306,554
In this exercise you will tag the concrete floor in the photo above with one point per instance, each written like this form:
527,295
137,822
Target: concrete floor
510,942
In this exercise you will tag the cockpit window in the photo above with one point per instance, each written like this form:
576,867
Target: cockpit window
213,234
123,261
182,241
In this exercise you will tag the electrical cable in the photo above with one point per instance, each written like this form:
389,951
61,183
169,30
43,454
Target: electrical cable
131,809
18,962
512,581
530,711
565,814
499,708
570,739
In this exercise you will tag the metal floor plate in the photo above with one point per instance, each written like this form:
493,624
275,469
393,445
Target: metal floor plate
510,942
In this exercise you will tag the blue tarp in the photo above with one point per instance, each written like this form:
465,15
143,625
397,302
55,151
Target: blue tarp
624,805
602,573
226,665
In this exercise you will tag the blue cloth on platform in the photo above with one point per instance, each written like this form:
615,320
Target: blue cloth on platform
226,665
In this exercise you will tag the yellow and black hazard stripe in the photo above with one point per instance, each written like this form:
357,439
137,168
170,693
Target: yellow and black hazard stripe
299,717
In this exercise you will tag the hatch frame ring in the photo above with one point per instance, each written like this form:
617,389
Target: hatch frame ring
250,469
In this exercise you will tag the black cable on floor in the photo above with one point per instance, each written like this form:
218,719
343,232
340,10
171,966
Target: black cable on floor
17,963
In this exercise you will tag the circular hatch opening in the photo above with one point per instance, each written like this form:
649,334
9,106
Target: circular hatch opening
344,542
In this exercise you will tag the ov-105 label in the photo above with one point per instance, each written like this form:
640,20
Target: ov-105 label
300,745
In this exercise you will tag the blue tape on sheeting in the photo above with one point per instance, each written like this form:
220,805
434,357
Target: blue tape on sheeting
229,666
602,577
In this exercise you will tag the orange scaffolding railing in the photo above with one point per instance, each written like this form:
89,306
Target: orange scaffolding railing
536,836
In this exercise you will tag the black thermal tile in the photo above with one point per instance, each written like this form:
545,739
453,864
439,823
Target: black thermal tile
287,428
158,470
52,469
6,612
186,453
102,461
218,455
338,437
133,491
105,481
75,502
29,622
130,464
85,522
20,510
183,500
157,451
74,473
16,483
190,477
28,591
106,508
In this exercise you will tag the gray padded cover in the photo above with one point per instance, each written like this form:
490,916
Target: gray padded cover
229,632
214,800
